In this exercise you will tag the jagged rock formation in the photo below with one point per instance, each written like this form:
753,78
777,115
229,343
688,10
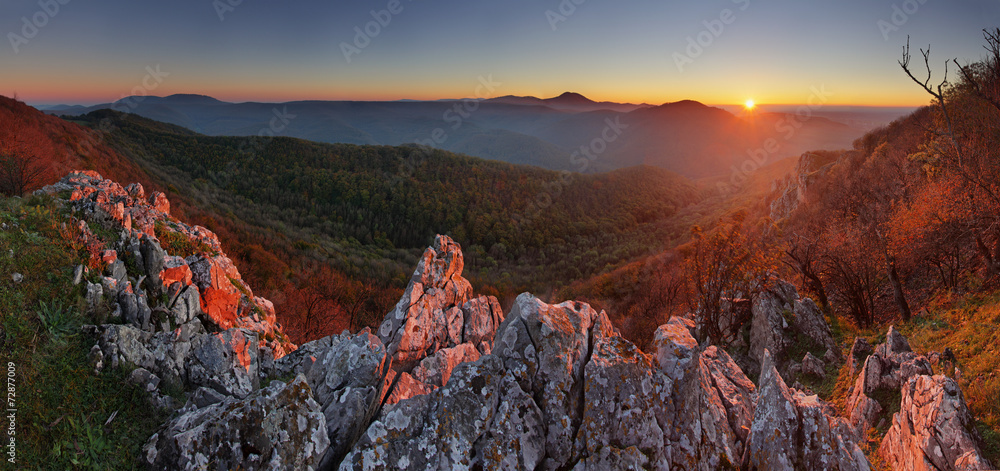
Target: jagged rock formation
780,318
933,429
793,431
189,323
437,324
278,427
449,381
792,191
891,365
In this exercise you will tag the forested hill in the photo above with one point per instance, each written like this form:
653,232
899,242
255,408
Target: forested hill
368,210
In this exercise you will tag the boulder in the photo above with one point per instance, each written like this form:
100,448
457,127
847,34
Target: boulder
793,431
481,316
347,380
859,353
675,348
622,403
481,418
405,387
714,409
226,362
933,429
419,324
280,427
779,319
546,348
890,366
813,366
436,369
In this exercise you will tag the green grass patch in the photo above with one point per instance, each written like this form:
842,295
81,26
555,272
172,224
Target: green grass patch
178,244
62,406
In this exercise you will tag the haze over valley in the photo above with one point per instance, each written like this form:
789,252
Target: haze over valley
567,235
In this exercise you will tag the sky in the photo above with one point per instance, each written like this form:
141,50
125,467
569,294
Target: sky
642,51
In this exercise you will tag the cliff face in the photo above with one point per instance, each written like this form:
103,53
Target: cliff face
451,381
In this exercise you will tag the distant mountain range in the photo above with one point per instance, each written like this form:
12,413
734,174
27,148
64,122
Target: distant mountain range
568,132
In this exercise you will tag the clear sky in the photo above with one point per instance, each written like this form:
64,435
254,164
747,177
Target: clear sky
774,51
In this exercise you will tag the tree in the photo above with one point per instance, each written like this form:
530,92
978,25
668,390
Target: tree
20,167
326,300
967,146
725,269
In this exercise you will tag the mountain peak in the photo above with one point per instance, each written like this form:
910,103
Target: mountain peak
571,97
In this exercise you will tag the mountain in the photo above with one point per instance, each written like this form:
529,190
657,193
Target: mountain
295,210
567,101
568,132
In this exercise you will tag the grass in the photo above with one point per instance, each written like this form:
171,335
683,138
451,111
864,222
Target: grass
175,243
968,325
62,406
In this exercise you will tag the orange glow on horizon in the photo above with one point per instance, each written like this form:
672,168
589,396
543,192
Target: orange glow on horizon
50,92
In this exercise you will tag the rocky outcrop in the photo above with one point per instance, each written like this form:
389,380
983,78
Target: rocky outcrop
437,324
780,319
793,431
449,381
280,427
891,365
792,190
183,319
713,410
933,429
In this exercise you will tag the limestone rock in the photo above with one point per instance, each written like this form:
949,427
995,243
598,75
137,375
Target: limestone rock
891,365
226,362
406,386
714,410
418,326
347,381
813,366
546,348
675,348
622,401
933,429
481,418
793,431
779,317
280,427
859,353
436,369
482,316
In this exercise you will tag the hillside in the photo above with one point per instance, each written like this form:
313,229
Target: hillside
899,229
292,211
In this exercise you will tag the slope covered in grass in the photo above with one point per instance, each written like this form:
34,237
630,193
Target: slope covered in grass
67,417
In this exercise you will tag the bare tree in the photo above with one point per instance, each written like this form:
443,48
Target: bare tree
19,172
985,79
725,269
20,168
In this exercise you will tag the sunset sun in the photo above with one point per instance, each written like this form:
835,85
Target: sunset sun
749,105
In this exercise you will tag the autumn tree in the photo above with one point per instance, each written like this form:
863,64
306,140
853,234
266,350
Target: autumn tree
325,300
21,169
726,268
964,144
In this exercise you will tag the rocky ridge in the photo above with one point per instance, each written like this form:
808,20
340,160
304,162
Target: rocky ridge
450,381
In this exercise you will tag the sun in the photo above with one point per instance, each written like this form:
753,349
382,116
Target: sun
749,105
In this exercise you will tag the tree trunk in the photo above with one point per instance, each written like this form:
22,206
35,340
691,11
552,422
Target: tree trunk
897,290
